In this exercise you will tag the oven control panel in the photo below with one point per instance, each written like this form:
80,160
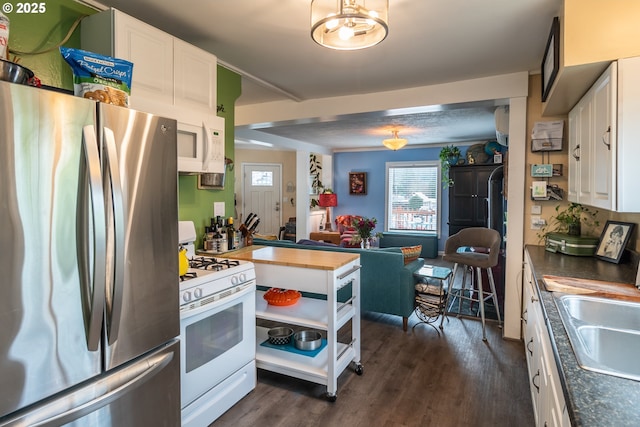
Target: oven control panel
207,283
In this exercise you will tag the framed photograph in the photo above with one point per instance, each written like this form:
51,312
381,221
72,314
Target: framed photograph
551,59
613,240
357,183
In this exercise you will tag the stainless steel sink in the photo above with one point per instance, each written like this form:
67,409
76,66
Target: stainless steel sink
604,334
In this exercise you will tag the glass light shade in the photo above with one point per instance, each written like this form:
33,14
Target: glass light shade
349,24
394,143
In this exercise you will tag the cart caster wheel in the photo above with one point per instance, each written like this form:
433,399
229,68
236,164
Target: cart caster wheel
359,369
332,397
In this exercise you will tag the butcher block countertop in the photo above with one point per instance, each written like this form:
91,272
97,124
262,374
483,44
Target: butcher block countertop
319,260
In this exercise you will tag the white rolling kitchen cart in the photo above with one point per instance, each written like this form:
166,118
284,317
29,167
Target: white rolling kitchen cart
317,272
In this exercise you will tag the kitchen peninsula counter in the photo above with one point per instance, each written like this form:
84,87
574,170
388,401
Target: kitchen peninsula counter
592,399
320,260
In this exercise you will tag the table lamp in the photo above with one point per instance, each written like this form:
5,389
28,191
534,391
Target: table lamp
328,200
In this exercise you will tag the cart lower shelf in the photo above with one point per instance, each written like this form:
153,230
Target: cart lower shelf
315,369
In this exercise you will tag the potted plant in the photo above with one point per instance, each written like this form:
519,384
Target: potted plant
570,220
449,156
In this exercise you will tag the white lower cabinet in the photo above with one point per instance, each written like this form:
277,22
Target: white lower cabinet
546,391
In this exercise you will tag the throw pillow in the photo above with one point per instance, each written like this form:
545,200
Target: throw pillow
411,253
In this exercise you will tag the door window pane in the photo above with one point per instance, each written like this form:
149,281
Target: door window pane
262,178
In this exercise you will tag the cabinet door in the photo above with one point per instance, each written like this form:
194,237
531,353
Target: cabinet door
585,133
482,195
603,142
529,316
574,155
195,77
461,197
151,51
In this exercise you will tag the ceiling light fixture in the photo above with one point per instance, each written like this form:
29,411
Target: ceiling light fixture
349,24
394,143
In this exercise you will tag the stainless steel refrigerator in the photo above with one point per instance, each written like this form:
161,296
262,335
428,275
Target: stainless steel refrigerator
89,316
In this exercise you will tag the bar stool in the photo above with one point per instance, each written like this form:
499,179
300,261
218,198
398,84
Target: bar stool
454,251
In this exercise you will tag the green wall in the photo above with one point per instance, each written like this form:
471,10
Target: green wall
41,31
36,32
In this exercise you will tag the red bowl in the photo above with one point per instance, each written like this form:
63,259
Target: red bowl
282,297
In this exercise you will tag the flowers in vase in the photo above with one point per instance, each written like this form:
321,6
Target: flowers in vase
364,229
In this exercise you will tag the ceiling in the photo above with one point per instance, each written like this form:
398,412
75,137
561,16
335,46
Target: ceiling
430,42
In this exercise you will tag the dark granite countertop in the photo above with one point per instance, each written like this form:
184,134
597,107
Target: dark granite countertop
592,399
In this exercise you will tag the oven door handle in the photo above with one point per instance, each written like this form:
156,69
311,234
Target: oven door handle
245,289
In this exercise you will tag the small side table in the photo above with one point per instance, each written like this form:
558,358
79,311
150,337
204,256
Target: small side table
326,236
430,294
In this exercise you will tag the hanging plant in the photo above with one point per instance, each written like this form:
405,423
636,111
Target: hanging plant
449,156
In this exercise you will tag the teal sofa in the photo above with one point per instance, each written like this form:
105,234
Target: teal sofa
387,285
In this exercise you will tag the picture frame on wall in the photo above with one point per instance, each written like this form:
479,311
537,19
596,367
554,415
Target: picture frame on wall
613,240
551,59
357,183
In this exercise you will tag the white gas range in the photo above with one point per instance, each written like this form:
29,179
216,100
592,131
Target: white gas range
217,333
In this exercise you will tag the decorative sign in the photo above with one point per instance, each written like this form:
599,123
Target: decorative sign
544,170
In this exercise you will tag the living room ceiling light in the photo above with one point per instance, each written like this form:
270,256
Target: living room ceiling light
394,143
349,24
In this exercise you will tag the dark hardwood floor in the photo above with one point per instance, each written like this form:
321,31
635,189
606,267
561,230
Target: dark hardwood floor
413,378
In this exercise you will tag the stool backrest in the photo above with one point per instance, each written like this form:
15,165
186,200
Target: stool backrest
475,237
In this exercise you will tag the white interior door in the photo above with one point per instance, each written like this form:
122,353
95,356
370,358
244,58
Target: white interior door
262,195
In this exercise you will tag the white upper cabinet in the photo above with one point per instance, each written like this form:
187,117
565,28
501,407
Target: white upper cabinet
196,76
170,76
603,135
151,52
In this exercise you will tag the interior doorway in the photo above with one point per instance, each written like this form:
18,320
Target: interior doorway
262,195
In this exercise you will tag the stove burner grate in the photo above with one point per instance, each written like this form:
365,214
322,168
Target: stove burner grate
206,263
188,275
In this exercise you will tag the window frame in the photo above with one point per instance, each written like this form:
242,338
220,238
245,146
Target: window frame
415,164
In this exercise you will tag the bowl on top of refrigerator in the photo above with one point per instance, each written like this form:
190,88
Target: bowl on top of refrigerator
14,73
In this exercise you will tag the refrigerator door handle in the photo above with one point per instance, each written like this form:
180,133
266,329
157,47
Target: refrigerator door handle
94,396
91,245
115,291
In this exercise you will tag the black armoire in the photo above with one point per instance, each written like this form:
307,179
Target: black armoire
469,196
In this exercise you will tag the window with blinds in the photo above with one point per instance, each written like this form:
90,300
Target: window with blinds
413,196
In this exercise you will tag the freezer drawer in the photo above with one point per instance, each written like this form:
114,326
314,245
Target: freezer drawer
145,392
